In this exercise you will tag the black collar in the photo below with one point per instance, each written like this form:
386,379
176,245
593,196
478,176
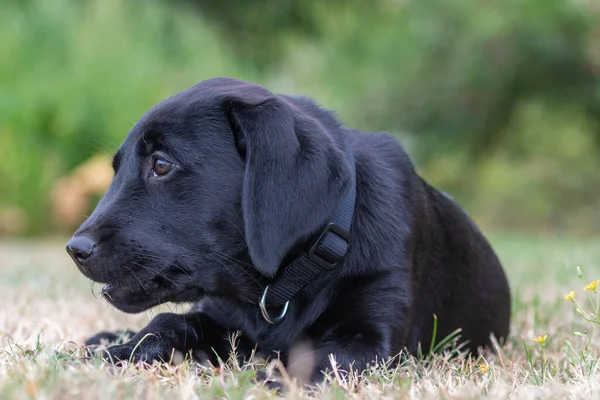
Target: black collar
323,255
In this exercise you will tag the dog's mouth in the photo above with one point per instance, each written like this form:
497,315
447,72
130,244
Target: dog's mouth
131,299
138,297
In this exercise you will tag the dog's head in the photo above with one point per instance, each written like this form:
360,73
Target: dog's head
219,178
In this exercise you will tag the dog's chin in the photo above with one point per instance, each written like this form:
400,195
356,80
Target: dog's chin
129,299
134,300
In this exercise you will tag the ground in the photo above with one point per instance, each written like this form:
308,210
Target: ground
48,308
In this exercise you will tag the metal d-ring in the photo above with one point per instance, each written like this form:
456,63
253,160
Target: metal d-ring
263,309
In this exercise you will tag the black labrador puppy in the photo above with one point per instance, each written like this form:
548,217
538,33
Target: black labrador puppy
281,223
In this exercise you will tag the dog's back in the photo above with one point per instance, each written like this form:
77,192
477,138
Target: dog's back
454,273
465,283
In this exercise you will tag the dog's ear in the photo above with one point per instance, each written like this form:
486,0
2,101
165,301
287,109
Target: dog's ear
295,174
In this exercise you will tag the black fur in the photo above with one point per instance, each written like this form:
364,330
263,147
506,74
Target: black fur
256,176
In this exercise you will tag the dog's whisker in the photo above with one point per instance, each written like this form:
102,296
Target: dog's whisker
136,277
231,258
244,279
92,283
248,275
148,256
223,264
101,147
235,226
155,271
240,267
151,257
124,119
183,270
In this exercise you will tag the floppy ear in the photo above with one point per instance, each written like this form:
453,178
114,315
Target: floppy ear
295,174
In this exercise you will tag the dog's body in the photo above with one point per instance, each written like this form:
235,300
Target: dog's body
225,179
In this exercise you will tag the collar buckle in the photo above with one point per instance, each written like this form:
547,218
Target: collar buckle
331,246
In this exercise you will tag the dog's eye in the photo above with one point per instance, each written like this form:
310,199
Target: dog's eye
161,167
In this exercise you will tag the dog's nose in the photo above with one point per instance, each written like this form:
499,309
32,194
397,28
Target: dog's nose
80,248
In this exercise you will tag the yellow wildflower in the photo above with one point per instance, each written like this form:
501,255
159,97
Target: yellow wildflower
541,339
483,368
570,296
592,286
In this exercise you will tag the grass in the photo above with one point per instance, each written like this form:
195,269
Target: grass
48,309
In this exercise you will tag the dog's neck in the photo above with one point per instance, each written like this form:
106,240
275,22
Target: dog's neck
323,255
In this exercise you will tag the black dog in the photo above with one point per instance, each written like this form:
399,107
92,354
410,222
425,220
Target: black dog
287,226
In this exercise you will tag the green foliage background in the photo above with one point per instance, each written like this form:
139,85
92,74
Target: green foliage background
498,102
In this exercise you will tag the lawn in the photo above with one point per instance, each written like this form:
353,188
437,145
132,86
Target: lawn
48,308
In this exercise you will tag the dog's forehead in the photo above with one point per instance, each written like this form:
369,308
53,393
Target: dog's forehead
169,116
182,117
174,125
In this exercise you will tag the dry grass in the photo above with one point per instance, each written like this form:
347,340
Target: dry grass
48,309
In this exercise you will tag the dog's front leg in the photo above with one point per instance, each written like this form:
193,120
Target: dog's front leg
167,333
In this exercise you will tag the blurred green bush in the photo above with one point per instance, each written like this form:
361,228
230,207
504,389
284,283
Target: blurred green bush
498,102
75,76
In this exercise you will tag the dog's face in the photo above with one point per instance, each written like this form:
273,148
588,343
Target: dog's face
215,180
170,224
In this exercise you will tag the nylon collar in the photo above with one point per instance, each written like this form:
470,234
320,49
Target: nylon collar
324,255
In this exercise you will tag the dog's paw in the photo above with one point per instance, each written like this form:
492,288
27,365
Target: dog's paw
104,339
271,380
146,350
108,338
125,353
132,354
